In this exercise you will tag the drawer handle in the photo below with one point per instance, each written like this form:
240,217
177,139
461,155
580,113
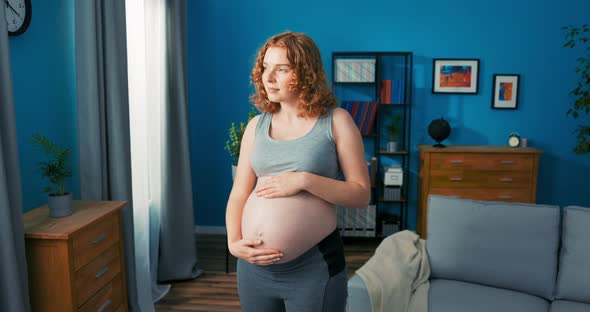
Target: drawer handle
102,271
507,162
104,306
506,180
504,197
456,161
99,238
455,179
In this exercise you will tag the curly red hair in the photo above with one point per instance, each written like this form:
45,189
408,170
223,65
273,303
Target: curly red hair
309,78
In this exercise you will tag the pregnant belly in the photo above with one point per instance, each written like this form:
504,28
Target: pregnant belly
290,224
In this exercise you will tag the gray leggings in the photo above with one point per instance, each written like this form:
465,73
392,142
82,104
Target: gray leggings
303,284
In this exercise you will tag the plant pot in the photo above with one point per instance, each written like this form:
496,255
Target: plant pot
59,206
392,146
233,172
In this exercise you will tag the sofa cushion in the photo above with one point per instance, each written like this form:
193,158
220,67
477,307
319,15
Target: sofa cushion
573,280
456,296
358,296
505,245
569,306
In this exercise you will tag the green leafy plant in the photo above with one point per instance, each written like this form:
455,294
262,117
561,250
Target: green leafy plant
236,131
394,127
55,167
580,36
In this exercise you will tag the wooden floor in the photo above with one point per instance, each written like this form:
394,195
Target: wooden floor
216,291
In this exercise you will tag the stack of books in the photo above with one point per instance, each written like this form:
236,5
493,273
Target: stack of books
356,222
389,226
392,193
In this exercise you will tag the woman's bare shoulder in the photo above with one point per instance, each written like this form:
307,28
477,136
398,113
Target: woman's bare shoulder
254,121
342,124
339,112
250,128
341,118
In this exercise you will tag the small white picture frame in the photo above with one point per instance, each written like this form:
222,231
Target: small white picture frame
506,88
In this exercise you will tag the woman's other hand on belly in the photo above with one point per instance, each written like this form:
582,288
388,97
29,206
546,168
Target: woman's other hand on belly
245,249
280,185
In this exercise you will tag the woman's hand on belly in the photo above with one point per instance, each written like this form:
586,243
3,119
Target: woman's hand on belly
245,249
280,185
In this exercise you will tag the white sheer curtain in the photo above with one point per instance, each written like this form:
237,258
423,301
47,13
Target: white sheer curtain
146,40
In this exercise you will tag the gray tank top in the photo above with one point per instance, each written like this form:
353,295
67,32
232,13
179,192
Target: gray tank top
315,152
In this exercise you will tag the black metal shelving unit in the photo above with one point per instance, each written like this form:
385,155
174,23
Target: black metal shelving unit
403,61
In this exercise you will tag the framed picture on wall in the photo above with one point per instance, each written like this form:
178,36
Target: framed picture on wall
506,87
455,76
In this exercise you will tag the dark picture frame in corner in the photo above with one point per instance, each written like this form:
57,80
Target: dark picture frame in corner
455,76
506,88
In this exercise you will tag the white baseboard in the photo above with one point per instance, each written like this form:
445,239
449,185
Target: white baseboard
202,229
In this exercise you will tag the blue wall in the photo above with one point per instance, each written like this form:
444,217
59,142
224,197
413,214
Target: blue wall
43,73
522,37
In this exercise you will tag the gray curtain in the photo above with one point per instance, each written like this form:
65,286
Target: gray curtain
103,120
178,258
104,138
14,289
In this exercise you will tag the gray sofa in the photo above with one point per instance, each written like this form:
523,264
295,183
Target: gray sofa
492,256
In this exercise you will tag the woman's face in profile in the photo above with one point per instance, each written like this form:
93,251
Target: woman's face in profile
277,75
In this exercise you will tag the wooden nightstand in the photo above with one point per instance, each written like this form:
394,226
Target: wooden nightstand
76,263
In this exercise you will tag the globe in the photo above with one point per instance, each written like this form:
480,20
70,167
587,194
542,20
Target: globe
439,130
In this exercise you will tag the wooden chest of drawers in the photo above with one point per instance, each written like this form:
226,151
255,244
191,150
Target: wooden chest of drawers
76,263
484,172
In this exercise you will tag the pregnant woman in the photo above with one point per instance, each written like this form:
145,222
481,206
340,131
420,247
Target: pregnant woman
281,215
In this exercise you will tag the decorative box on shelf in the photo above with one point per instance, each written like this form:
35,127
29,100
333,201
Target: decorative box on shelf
393,176
355,70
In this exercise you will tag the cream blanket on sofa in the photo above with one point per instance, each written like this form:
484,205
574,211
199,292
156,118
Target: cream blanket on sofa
397,275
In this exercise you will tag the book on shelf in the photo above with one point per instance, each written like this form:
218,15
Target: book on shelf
370,124
397,92
390,225
385,91
363,113
392,91
373,174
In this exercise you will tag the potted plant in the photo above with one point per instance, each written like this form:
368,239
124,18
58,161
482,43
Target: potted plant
393,129
580,36
55,170
233,144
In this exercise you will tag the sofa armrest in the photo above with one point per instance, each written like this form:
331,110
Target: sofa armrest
573,281
358,297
